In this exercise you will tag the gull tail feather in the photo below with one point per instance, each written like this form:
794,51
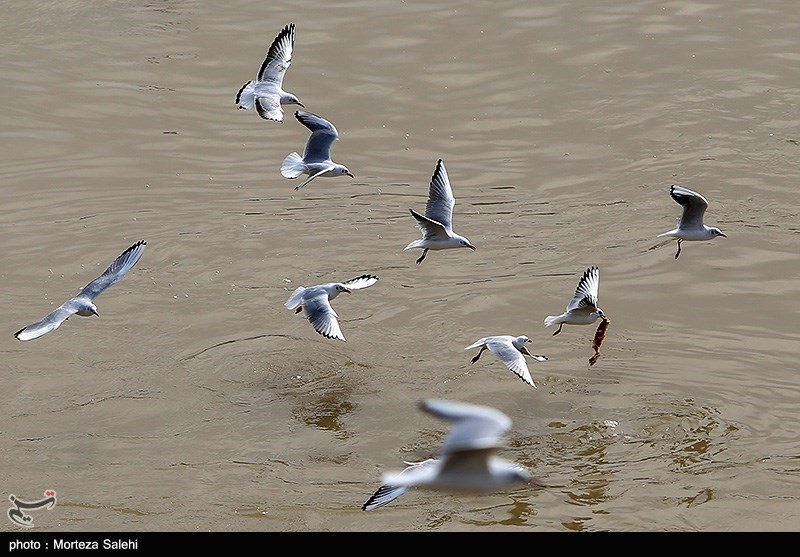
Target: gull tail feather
414,244
551,320
294,301
292,166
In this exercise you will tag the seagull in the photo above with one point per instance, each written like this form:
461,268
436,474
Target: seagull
314,301
316,161
511,351
265,91
466,463
83,303
437,224
691,225
582,310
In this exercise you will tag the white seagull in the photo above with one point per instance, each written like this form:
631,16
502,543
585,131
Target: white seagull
83,303
511,351
314,302
265,92
582,310
466,463
691,225
316,161
437,224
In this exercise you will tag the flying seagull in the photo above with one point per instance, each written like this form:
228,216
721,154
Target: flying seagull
265,92
511,351
691,225
582,310
316,161
83,303
437,223
314,302
466,463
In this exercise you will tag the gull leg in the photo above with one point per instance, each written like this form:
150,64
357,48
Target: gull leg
475,359
422,257
677,253
559,329
298,310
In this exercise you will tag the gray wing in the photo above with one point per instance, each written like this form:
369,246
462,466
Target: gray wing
50,323
361,282
279,56
269,108
512,358
115,271
323,318
323,134
474,427
387,493
440,198
694,206
587,291
431,230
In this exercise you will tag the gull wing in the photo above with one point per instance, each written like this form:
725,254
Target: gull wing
387,493
473,427
323,134
586,293
361,282
440,198
431,230
115,272
50,323
279,56
694,206
323,170
323,318
269,108
512,358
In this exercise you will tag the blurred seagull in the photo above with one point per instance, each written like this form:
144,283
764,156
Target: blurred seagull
466,463
437,224
265,91
582,310
691,225
83,303
314,301
511,351
316,161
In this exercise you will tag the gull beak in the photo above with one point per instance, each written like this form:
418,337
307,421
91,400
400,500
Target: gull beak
349,174
94,311
723,235
301,104
347,290
470,246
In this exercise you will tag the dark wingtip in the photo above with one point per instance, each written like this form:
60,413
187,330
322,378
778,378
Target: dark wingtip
16,335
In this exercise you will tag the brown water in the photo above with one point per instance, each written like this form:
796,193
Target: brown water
198,402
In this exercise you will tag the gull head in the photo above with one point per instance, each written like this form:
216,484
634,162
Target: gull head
717,232
520,341
343,288
599,313
288,98
342,169
93,310
464,243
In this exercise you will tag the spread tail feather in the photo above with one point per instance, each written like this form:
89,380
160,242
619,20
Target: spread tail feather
551,320
292,166
414,244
